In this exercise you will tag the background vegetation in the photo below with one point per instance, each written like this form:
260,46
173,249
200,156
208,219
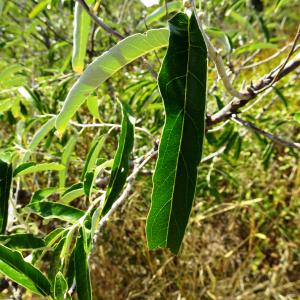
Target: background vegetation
243,238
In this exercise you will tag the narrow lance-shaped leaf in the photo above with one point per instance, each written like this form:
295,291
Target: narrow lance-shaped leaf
31,167
50,210
82,26
182,83
120,166
106,65
82,273
5,185
13,265
22,241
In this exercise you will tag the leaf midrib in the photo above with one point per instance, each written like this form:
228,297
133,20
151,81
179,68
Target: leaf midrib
182,128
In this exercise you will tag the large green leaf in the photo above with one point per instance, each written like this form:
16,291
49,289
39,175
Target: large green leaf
5,184
120,166
82,273
13,265
50,210
22,241
82,26
105,66
182,83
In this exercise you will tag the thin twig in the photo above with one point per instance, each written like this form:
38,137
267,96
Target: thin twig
99,21
128,189
233,107
276,54
217,59
266,134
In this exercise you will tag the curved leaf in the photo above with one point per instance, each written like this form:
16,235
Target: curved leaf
183,88
120,166
82,26
82,273
5,185
28,168
13,265
105,66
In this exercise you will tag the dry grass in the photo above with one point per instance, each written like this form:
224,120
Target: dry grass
243,248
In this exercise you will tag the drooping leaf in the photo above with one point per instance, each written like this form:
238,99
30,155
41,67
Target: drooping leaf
5,185
120,166
82,273
50,210
183,89
28,168
13,265
22,241
82,26
106,65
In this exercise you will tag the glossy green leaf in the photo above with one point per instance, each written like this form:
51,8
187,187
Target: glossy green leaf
120,166
5,186
28,168
72,193
183,89
106,65
82,273
65,158
43,194
22,241
82,26
13,265
93,155
60,287
50,210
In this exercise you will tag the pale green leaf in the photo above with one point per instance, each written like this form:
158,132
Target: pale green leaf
105,66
